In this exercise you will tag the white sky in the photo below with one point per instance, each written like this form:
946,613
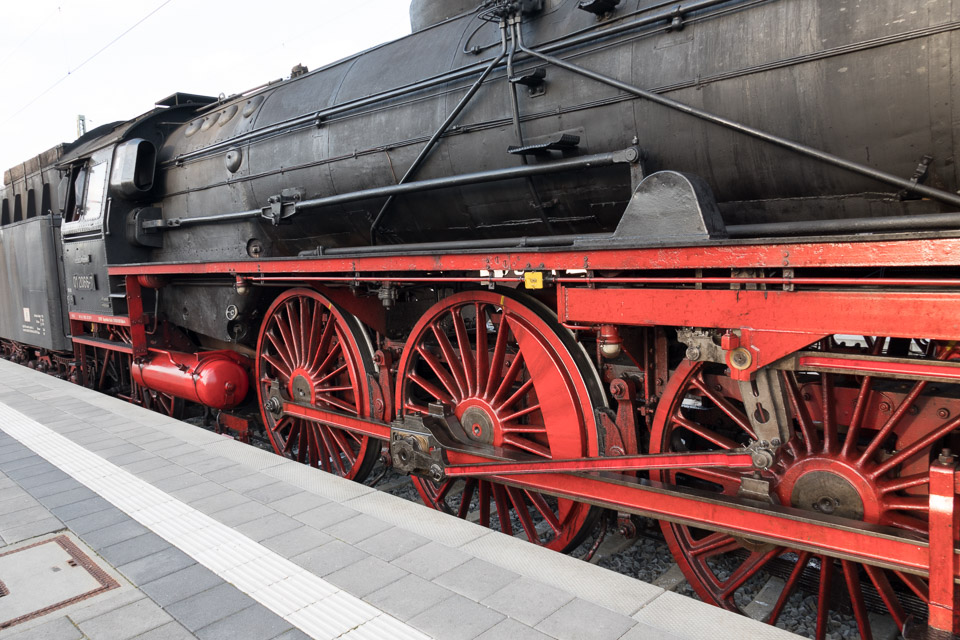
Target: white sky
194,46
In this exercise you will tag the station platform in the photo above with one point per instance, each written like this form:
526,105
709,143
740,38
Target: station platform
119,523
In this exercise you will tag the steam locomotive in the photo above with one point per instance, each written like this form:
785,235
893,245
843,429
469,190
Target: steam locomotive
556,259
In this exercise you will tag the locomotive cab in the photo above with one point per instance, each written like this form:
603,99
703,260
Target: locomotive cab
108,178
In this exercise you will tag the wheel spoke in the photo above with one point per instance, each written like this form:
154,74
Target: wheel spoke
725,405
713,545
528,445
810,438
332,454
518,394
892,422
520,508
499,356
906,482
334,354
830,438
851,574
333,374
729,480
790,586
483,358
879,579
455,366
466,351
754,562
823,596
707,434
485,503
544,509
293,333
513,417
503,508
430,388
509,378
445,378
323,349
469,486
908,452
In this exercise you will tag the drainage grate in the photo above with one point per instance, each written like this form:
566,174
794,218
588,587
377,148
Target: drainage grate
46,576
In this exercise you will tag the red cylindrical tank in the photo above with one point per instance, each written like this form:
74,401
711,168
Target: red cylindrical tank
214,379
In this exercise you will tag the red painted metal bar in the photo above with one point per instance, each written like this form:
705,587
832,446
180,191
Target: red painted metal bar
99,343
357,425
788,527
923,252
726,460
941,370
116,321
944,606
871,313
774,282
138,329
835,282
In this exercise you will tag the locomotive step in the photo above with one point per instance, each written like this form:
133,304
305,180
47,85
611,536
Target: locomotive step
207,536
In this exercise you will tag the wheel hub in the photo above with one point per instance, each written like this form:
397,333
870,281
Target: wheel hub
827,493
826,484
301,389
478,424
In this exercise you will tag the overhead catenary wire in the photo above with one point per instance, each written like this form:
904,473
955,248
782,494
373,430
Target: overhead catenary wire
28,37
85,62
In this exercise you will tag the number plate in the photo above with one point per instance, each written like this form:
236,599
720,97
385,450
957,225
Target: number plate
84,282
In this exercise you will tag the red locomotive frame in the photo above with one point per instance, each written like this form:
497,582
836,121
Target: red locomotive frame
765,320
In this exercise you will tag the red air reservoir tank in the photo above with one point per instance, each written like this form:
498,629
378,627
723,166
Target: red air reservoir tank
215,379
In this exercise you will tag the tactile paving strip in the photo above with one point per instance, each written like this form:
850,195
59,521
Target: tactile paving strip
317,607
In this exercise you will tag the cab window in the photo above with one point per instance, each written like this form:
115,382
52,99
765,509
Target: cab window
96,190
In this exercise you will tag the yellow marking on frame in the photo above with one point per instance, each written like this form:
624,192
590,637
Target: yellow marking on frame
533,280
502,298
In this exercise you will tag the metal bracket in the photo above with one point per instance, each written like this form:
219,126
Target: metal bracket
764,400
672,205
413,449
701,345
283,206
919,176
535,81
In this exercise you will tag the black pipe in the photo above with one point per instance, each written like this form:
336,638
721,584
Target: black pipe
849,225
823,156
584,162
539,242
431,143
937,221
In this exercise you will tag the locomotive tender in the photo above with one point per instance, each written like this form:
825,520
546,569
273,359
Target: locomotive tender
696,260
